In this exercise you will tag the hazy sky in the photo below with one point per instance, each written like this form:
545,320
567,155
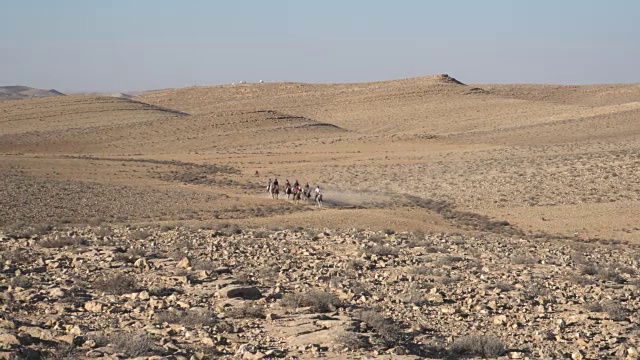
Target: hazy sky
119,45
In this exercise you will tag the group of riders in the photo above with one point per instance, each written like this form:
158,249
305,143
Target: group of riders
298,192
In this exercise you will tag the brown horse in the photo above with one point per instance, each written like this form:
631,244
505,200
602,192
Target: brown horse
296,196
274,190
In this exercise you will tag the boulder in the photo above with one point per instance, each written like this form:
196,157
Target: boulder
245,292
9,339
93,306
184,263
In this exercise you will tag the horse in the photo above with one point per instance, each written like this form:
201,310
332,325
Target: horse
274,191
319,200
288,191
296,196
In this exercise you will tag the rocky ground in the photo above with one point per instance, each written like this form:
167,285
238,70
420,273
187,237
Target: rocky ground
228,292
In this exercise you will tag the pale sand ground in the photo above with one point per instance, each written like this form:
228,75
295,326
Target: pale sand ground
546,158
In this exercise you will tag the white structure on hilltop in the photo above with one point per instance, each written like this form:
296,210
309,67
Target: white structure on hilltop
260,81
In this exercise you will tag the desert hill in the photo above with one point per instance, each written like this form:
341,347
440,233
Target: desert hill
511,152
24,92
70,123
589,95
428,105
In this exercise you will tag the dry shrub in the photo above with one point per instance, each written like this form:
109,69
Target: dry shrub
194,317
449,259
15,256
382,250
130,256
537,289
376,239
60,242
140,234
594,307
247,310
19,233
447,279
616,311
261,235
203,264
420,270
590,269
319,301
42,229
21,281
579,279
95,221
267,274
435,250
358,287
244,278
168,227
116,284
611,274
503,286
414,243
388,331
354,265
413,296
604,273
62,351
226,229
627,270
487,346
525,260
20,230
131,344
352,341
103,232
419,235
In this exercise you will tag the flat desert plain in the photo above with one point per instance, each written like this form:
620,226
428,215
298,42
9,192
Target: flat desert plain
458,220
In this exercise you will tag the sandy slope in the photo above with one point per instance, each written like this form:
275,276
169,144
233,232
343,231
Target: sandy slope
512,152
